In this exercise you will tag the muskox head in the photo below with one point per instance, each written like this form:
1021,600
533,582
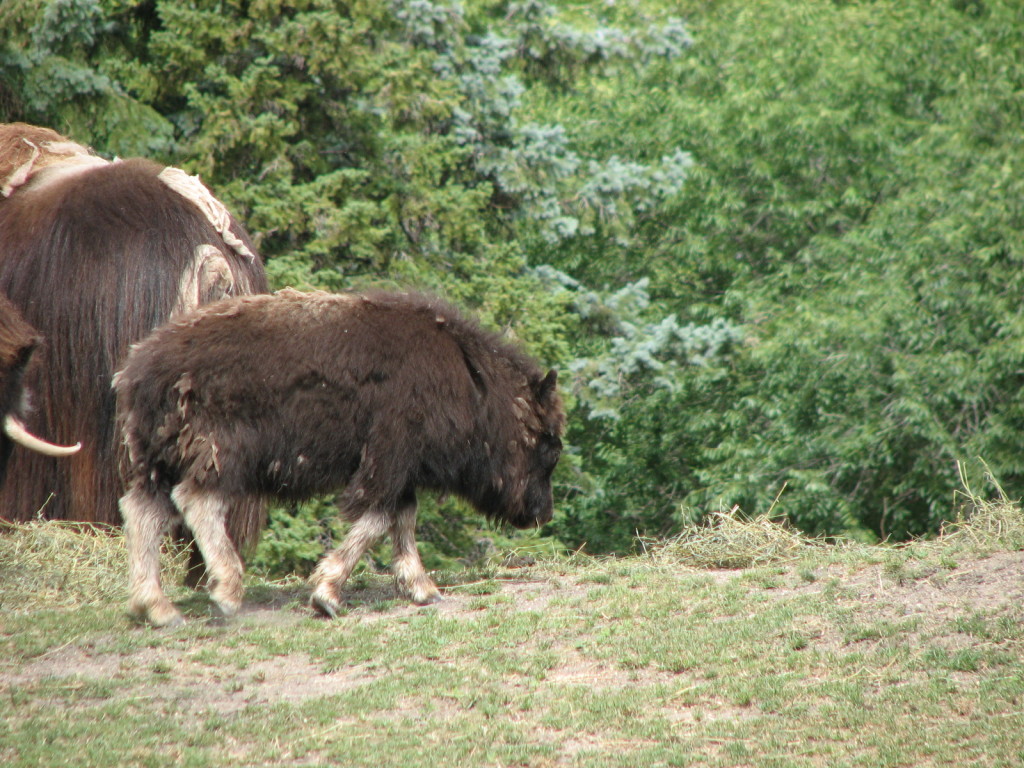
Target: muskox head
519,491
18,341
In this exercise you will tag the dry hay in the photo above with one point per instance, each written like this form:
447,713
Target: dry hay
984,524
52,563
731,541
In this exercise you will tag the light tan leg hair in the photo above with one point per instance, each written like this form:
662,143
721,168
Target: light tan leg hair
408,568
333,570
146,519
205,514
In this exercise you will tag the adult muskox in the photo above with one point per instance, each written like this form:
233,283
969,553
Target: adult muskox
95,254
18,340
296,394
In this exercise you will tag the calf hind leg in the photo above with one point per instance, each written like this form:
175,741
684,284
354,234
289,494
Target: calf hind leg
146,519
335,568
407,566
205,513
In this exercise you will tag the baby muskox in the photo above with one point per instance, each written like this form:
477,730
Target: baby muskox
295,394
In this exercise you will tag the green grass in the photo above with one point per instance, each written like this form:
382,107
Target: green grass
818,655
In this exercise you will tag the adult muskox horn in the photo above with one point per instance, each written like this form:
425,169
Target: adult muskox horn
17,432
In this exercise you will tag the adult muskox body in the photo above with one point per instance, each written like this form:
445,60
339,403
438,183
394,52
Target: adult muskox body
18,341
95,254
297,394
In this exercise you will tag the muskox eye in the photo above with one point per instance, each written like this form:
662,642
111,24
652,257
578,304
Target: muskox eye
550,449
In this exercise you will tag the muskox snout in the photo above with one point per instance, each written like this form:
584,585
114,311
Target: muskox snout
543,517
534,513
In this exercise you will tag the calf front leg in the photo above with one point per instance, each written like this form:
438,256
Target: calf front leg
412,580
146,519
333,570
205,513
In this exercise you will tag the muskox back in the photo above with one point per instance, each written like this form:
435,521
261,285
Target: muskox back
95,256
27,151
279,395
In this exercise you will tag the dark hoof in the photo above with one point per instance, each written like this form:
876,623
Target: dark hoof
324,607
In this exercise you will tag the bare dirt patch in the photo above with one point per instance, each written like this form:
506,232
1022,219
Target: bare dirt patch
984,585
928,597
190,680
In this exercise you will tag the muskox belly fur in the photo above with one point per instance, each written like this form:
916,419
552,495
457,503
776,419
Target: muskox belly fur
294,394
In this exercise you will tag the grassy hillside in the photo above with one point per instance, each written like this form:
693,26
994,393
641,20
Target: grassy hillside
800,653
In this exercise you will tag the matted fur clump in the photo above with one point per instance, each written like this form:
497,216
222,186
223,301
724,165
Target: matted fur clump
25,150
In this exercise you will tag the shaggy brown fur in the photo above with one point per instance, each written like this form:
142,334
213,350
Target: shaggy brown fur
297,394
96,259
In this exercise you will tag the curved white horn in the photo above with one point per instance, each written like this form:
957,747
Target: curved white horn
17,432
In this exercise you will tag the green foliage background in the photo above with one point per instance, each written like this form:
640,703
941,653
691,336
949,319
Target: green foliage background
774,246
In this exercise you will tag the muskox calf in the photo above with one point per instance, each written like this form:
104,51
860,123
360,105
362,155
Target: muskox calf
294,394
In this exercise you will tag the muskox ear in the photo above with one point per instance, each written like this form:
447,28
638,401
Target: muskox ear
546,388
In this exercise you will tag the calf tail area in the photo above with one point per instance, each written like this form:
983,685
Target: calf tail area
149,440
246,521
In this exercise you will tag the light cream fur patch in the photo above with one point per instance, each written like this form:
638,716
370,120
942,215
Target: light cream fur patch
192,189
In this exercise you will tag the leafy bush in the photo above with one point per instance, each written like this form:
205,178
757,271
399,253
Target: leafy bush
853,212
